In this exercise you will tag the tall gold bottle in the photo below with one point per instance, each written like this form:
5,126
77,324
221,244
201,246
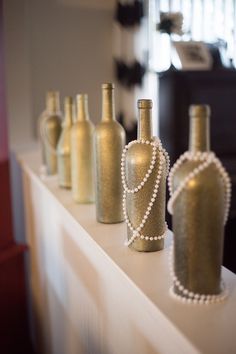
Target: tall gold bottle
198,215
64,146
82,154
109,143
50,129
138,160
41,119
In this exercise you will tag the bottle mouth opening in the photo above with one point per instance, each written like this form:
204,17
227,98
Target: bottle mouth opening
108,85
198,110
144,103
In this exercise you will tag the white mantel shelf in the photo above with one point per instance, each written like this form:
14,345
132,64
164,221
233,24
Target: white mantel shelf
91,294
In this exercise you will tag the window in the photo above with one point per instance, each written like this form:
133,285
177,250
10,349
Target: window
211,21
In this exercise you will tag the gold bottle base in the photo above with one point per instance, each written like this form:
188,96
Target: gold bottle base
65,186
103,221
145,246
83,201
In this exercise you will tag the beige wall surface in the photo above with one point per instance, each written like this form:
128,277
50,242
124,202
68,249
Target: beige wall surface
50,45
17,71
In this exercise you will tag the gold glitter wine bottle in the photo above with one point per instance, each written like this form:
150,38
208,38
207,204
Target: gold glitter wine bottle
82,154
198,212
50,129
138,163
109,143
64,146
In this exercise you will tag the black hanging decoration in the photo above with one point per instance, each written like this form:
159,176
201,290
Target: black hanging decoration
129,75
131,134
129,15
165,26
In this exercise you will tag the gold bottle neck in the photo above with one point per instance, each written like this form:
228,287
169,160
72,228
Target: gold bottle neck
199,138
145,124
82,108
108,103
53,103
68,112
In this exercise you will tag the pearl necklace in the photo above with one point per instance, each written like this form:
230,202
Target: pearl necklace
190,297
206,158
156,145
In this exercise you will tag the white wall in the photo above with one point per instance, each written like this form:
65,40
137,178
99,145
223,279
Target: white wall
17,64
52,45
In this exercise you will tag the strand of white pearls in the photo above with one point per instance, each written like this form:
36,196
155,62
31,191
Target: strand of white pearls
156,144
190,297
136,232
207,158
147,238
